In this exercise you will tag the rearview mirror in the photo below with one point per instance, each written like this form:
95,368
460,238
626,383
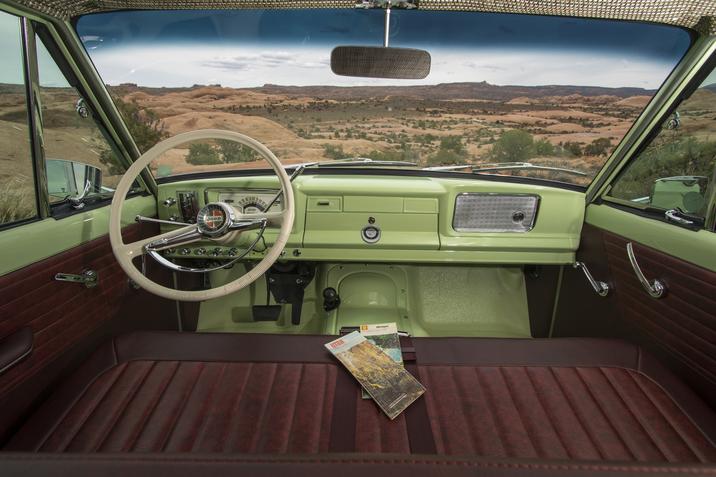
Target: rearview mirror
380,62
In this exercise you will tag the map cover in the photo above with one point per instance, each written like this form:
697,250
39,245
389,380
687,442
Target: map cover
388,383
385,337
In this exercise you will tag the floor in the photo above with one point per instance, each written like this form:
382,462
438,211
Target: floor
423,300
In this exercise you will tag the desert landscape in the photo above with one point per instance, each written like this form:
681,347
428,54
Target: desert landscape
573,127
446,124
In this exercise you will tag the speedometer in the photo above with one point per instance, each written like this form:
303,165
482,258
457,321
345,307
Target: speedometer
251,205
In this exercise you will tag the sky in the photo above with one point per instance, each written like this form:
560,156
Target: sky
249,48
251,66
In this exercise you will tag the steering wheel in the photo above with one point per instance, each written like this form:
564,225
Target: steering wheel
216,221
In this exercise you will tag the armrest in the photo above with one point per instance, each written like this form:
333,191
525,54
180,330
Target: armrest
15,347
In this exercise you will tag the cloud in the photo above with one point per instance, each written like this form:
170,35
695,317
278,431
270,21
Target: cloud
483,66
265,59
250,66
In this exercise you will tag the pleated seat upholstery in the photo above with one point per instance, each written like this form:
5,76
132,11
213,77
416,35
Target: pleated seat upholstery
576,399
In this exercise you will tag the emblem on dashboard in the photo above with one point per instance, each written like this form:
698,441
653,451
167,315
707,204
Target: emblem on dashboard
213,219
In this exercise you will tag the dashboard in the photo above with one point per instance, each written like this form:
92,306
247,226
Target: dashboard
394,218
246,201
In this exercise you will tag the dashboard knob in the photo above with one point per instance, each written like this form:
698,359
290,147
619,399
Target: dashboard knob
216,252
170,201
200,251
184,251
370,233
232,252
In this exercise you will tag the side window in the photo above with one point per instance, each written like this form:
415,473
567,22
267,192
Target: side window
79,160
675,171
17,180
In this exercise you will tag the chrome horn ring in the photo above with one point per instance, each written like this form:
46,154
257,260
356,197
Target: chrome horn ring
214,220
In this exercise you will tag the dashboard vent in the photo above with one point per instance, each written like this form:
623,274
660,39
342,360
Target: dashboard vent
481,212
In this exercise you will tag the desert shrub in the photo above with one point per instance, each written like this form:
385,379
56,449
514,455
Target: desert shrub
425,139
404,153
452,143
573,148
333,152
451,151
445,157
201,154
543,147
599,147
233,152
513,146
144,126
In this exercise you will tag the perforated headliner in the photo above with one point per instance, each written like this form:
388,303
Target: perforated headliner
696,14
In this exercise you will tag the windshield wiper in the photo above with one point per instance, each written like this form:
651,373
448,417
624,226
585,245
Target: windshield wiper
353,161
505,166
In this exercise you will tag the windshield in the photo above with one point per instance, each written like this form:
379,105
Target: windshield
545,97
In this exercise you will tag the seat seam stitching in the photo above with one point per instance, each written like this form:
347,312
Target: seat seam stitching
581,418
150,412
127,400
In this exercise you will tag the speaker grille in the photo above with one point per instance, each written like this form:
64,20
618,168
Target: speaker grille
479,212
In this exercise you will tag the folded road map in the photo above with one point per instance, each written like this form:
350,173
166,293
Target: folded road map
385,337
388,383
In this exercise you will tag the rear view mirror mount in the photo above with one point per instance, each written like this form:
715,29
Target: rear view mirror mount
385,62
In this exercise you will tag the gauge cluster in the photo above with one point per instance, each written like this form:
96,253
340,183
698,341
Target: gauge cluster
246,201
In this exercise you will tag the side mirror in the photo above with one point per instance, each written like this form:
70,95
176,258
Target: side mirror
686,193
72,179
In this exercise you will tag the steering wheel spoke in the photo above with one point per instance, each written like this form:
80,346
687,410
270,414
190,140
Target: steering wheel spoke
274,219
185,235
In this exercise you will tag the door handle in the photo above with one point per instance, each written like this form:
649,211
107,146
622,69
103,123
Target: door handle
88,278
655,288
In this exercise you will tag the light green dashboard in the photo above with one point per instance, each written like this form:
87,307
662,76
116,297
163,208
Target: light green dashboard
414,215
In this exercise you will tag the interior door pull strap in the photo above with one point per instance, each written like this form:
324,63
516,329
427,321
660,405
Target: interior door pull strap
655,288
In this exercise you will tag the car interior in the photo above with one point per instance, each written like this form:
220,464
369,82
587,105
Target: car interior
195,197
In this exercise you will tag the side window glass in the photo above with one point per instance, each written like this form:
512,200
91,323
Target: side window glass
79,159
17,181
676,169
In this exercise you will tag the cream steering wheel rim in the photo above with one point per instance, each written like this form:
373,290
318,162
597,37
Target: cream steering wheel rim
125,253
